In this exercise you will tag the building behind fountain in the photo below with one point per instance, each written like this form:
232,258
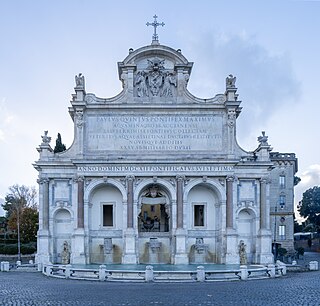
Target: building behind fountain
155,175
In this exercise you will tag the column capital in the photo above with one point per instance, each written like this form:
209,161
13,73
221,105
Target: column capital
43,180
130,177
231,178
78,179
180,178
265,180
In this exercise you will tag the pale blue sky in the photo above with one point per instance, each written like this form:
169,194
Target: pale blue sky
271,46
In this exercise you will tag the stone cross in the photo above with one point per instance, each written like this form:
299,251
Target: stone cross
155,24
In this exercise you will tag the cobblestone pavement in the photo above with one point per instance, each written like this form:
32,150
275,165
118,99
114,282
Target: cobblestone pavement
22,288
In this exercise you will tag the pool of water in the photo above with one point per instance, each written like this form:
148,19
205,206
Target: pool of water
164,267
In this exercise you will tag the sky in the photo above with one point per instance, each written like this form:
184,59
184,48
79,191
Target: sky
272,47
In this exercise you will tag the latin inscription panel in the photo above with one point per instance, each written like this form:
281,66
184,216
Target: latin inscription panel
141,132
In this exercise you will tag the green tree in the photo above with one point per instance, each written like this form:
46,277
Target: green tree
309,206
296,180
28,224
60,147
17,201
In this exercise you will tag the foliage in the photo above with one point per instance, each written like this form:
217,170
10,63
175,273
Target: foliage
309,206
20,206
296,180
282,251
300,251
298,227
28,224
60,147
12,249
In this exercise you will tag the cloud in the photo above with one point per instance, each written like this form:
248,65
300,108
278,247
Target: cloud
6,120
265,81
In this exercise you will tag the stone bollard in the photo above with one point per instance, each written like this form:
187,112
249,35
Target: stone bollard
243,272
102,273
201,275
5,266
294,262
67,271
49,270
272,270
18,262
313,265
149,274
282,266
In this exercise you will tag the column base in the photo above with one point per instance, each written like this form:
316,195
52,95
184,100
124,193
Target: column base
129,256
180,257
232,254
265,256
77,248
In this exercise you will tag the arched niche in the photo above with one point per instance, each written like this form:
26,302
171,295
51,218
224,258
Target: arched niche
246,228
105,207
203,201
62,228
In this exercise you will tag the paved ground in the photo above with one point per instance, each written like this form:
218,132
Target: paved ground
21,288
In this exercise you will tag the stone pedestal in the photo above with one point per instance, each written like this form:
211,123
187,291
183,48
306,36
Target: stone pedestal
232,254
129,254
77,247
43,256
180,256
265,255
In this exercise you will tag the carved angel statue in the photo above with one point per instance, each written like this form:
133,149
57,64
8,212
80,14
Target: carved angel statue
169,83
141,84
231,81
79,80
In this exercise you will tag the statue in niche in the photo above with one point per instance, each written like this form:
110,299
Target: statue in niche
65,254
168,85
242,253
141,84
231,81
79,80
